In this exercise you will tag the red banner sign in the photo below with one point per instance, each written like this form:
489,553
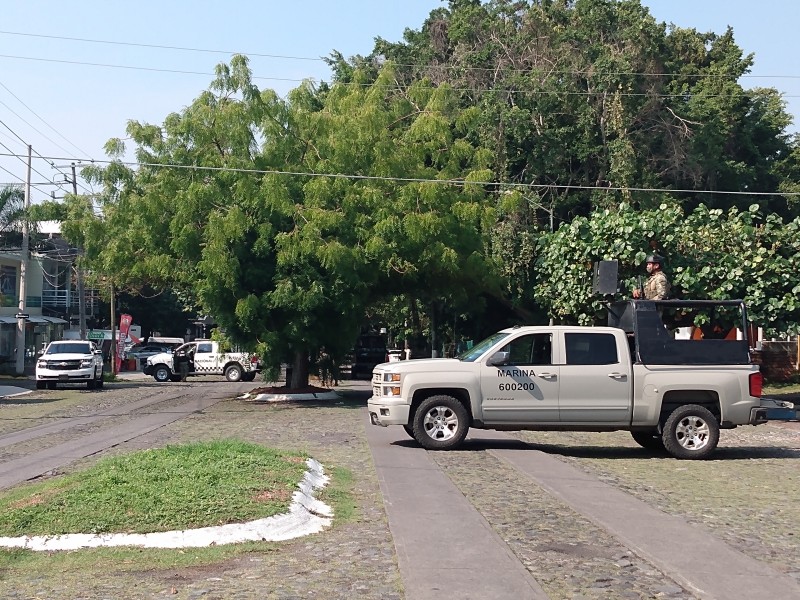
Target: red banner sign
124,327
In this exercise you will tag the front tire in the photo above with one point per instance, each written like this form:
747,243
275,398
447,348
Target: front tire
649,440
161,373
40,385
233,373
691,432
440,423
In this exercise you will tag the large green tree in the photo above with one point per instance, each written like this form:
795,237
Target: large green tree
285,218
583,94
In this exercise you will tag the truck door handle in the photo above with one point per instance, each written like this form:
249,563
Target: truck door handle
617,375
546,375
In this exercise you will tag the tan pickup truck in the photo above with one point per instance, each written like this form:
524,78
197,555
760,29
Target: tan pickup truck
636,374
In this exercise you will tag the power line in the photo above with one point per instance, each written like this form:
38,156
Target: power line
43,121
19,157
683,95
457,182
32,127
413,65
134,68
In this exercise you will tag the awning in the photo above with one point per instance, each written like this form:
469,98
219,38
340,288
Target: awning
34,319
56,320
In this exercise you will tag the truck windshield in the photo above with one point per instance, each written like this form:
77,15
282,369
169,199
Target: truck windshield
480,348
69,348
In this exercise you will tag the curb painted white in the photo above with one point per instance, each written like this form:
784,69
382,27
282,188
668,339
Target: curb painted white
332,395
306,515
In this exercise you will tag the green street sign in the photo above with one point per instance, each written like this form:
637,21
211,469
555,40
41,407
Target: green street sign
96,335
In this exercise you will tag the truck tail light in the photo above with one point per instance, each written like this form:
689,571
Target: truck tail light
756,384
253,359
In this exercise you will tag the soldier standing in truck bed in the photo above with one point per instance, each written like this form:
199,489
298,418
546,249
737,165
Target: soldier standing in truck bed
657,285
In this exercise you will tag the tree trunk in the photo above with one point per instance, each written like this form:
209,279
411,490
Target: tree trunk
299,371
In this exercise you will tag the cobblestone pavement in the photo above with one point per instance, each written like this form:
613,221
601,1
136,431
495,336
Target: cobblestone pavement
567,554
352,559
748,495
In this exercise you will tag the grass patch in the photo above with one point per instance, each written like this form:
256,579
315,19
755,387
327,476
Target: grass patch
177,487
782,388
19,566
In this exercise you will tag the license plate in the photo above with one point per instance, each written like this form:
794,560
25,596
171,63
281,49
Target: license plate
63,377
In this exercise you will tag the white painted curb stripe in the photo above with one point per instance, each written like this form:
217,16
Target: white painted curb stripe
306,515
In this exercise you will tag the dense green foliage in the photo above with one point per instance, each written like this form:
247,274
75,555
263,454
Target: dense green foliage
479,166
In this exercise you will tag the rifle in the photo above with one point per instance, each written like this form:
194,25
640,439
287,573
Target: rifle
640,286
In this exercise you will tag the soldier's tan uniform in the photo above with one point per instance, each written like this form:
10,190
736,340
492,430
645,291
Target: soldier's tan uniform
656,287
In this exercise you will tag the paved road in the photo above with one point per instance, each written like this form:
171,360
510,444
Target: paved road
446,541
445,546
156,410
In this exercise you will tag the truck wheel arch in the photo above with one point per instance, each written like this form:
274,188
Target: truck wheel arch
421,395
674,399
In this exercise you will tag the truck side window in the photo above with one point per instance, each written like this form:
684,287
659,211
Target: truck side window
591,349
533,349
203,348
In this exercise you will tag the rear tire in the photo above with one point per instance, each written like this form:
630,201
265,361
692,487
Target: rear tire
233,373
650,440
249,376
440,423
691,432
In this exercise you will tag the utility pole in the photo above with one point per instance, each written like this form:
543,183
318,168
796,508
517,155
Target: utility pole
113,332
79,269
23,271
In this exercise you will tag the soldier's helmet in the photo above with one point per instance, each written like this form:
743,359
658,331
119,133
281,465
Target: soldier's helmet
654,258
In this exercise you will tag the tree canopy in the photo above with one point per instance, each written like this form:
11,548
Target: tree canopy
484,161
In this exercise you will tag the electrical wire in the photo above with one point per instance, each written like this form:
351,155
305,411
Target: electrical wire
412,65
43,121
455,182
22,160
366,85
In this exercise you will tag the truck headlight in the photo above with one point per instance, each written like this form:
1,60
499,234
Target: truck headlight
393,390
42,364
86,362
393,377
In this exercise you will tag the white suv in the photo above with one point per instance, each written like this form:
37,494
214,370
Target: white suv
70,361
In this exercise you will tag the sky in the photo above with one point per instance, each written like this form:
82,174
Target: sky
66,98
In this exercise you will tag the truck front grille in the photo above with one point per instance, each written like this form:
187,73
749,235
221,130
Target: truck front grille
63,365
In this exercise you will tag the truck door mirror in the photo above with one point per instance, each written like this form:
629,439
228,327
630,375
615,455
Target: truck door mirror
498,359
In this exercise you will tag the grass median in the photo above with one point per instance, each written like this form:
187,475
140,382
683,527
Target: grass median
172,488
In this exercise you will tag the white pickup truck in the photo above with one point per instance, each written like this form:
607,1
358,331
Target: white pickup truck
634,375
203,357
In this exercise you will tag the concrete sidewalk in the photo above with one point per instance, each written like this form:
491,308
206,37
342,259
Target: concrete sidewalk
445,546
